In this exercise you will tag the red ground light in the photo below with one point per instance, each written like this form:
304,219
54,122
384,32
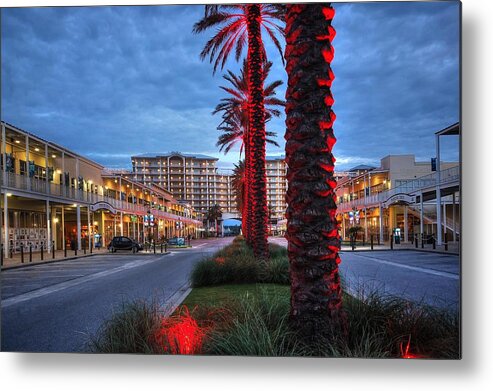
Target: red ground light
181,334
405,353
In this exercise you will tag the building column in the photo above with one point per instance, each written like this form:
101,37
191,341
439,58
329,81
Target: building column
48,187
366,224
438,195
88,227
63,183
53,228
4,155
28,181
444,218
121,223
6,244
454,233
79,233
393,219
343,226
138,229
63,228
421,215
380,223
406,230
103,230
48,226
77,175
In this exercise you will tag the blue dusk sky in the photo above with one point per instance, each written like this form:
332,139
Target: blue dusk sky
110,82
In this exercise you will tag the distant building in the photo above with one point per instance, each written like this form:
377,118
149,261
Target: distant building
192,178
277,186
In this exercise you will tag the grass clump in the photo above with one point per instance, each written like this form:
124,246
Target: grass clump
129,330
256,325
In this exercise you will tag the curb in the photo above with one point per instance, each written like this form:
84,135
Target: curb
404,249
173,303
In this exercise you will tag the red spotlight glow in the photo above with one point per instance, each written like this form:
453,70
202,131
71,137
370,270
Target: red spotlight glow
405,353
181,334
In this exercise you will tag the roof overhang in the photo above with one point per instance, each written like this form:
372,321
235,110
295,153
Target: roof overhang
451,130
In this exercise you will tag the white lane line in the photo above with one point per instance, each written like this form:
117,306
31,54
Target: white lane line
415,268
200,245
68,284
11,278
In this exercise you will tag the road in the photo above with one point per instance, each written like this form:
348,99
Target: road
419,276
54,307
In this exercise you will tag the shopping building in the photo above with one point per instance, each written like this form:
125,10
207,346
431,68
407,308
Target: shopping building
52,196
191,178
402,197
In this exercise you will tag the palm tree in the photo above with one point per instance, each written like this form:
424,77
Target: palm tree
234,108
312,228
235,124
240,24
213,214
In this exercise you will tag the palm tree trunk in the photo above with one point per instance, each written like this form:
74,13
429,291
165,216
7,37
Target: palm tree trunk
247,204
257,132
312,230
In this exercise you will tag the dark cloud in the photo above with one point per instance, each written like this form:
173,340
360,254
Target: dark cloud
113,81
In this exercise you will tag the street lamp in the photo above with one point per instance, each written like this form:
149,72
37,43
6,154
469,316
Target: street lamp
149,226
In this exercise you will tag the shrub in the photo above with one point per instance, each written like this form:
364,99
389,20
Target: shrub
130,330
381,327
259,328
236,263
232,264
276,271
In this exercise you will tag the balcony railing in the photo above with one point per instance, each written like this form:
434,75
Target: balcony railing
38,186
446,176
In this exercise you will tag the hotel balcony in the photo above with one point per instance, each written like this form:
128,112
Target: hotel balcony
427,183
22,185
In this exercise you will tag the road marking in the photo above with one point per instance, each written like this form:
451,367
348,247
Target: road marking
68,284
415,268
200,245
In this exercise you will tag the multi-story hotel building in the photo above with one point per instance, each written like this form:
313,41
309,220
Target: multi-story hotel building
277,186
52,196
404,196
192,178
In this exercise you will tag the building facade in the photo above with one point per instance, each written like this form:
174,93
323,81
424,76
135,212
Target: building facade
399,198
277,186
192,178
53,198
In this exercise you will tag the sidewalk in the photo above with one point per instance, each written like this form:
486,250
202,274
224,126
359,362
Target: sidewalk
453,248
17,261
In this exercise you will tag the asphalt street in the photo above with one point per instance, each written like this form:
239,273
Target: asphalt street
55,307
419,276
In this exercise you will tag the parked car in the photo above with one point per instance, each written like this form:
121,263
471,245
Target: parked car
124,243
176,241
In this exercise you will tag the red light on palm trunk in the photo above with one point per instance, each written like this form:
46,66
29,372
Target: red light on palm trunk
329,13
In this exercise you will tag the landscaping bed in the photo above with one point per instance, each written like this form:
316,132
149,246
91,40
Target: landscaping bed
241,307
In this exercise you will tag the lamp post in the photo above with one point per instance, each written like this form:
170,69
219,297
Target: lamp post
149,227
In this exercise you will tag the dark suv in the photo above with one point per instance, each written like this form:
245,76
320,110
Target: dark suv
123,243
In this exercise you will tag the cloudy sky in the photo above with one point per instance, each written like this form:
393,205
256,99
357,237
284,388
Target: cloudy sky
109,82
